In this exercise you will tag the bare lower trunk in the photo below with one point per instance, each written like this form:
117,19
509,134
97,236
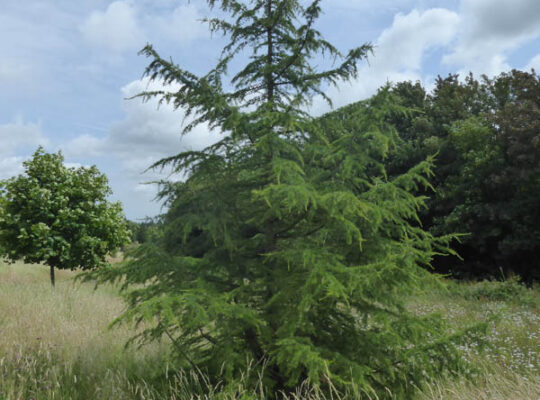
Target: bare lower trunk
52,276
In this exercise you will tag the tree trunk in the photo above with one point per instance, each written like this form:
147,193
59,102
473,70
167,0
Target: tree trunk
270,54
52,276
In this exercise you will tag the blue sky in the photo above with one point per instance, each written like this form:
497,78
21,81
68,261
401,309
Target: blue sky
68,66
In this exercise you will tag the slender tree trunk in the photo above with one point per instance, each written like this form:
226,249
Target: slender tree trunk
270,54
52,276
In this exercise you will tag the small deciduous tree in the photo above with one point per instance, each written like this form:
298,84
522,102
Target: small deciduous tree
59,216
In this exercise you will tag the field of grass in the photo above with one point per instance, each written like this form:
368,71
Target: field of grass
508,368
55,344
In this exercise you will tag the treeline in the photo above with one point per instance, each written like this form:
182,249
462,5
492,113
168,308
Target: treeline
146,231
485,136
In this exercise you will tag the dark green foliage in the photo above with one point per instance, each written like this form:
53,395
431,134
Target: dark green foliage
509,291
148,230
287,248
485,137
492,190
133,228
59,216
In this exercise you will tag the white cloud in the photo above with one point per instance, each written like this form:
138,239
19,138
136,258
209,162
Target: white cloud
146,135
115,29
367,5
12,71
11,166
85,146
147,189
18,134
478,38
534,63
490,29
148,132
402,46
399,52
182,25
502,18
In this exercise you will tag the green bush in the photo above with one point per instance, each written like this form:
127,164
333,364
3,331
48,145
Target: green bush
511,290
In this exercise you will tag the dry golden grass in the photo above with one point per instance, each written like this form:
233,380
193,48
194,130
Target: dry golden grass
55,344
495,384
49,335
70,316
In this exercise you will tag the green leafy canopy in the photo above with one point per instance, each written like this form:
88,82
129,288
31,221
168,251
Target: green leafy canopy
59,216
486,133
286,248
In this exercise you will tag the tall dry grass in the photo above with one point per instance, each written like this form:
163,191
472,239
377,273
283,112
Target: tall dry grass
55,344
495,383
509,367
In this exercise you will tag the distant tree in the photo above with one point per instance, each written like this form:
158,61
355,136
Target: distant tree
150,230
59,216
133,228
287,247
147,230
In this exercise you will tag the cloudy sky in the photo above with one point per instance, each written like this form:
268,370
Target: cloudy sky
67,67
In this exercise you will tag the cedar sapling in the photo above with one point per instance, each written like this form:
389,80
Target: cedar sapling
286,251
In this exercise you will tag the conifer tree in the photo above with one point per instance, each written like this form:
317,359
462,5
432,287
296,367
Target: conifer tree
286,249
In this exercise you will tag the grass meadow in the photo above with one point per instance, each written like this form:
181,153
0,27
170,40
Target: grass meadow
56,344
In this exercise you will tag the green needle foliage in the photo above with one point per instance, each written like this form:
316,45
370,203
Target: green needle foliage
59,216
286,249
